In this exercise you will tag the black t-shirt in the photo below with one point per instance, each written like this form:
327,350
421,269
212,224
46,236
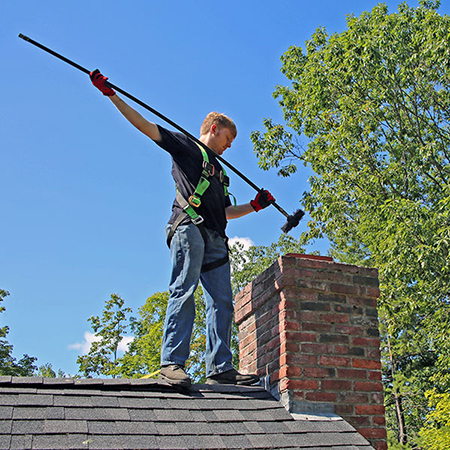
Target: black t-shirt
187,163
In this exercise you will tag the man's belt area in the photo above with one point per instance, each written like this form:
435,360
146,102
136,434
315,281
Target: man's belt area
189,212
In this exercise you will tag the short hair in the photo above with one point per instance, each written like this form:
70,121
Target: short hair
219,119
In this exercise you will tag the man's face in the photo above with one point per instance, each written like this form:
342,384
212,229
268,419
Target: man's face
220,139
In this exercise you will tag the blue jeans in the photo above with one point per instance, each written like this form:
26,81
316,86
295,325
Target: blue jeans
188,253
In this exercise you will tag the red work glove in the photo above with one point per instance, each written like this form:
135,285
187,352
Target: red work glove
99,81
262,200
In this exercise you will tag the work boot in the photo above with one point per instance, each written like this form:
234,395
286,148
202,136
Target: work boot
175,375
232,376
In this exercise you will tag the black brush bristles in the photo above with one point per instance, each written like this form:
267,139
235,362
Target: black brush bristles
292,221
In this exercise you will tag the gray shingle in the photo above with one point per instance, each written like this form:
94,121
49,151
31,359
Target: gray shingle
140,442
138,415
72,401
172,415
35,399
136,402
6,412
195,428
102,427
228,416
27,427
167,429
223,428
65,426
8,399
259,441
32,412
172,442
97,414
17,442
139,428
105,442
46,442
5,427
127,415
236,441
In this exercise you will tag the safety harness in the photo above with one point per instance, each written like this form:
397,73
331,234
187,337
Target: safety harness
195,200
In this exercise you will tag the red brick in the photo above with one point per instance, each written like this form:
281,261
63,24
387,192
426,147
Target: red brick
289,371
298,359
334,318
366,364
373,353
373,292
288,325
366,342
358,421
336,385
343,410
369,410
314,264
380,445
286,314
375,375
285,303
289,347
343,288
318,372
353,397
303,385
344,350
296,336
349,329
321,396
368,386
379,420
373,433
316,349
352,374
308,326
335,361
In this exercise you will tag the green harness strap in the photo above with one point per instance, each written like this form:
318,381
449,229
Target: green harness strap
195,200
208,170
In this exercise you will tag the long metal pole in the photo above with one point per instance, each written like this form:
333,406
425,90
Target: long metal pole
156,113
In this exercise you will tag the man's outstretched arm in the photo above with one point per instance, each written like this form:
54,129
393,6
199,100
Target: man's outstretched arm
150,129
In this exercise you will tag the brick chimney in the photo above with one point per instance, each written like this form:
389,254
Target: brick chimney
309,327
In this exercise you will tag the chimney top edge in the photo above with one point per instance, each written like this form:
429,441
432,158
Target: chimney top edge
305,256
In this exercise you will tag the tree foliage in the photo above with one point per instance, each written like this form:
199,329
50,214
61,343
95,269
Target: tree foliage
8,363
373,105
109,329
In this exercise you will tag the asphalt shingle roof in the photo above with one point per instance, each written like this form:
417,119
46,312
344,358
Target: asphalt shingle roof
45,413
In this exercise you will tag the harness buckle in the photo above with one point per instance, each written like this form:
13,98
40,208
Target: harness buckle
198,220
195,201
224,179
210,169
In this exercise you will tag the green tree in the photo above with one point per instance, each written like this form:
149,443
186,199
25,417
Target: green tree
372,105
109,329
435,435
9,364
46,371
143,354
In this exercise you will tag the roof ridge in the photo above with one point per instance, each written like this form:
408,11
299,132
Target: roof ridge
122,383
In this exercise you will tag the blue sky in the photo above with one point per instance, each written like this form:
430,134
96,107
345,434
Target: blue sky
85,197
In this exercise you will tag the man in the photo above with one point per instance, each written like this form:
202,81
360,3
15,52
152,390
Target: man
198,243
